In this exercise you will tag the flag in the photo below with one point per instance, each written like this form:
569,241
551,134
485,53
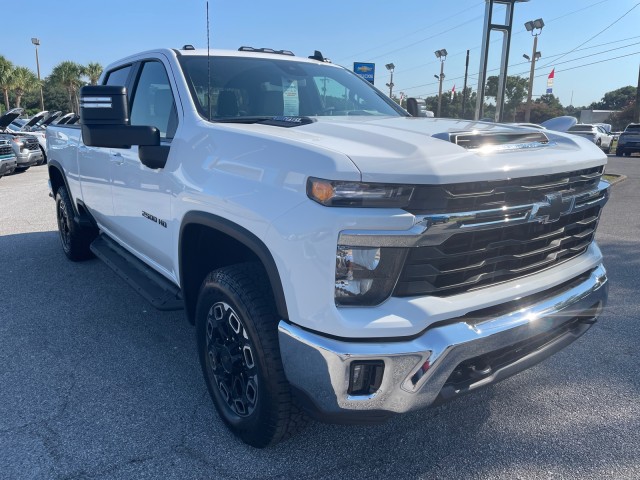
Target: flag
550,81
453,91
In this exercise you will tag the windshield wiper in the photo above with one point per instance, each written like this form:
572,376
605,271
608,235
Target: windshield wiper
276,121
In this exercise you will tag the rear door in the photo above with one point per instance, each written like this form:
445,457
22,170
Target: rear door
142,196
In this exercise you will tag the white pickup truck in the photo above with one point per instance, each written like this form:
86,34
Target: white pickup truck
337,256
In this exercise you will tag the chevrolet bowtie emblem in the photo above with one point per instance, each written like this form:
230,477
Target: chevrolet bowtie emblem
552,208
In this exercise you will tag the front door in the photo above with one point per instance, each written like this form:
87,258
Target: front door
142,196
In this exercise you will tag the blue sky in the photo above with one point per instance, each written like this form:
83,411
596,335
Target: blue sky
405,32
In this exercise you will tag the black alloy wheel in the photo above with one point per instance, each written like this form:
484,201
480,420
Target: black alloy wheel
239,352
231,360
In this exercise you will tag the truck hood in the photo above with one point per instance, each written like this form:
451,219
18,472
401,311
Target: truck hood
418,150
9,117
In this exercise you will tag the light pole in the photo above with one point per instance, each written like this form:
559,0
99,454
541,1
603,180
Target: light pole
535,27
390,67
442,56
36,42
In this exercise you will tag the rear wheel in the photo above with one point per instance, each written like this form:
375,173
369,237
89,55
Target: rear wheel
75,239
237,336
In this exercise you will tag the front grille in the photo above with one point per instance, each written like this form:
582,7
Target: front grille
474,196
469,260
31,144
5,149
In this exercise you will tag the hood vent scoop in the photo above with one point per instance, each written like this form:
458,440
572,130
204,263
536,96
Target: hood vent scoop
496,141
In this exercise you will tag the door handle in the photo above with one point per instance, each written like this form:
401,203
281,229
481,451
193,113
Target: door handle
116,158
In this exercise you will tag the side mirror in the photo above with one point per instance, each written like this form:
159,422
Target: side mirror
104,116
417,107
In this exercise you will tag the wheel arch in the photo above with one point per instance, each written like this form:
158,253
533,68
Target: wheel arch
237,244
58,179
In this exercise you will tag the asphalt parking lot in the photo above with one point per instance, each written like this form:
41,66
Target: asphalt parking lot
95,383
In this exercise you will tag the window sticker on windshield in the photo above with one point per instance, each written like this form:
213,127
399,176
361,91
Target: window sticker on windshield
290,98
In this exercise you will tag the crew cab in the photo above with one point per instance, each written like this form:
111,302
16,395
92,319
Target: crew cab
338,257
629,140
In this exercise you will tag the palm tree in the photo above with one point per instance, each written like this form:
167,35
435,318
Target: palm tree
68,74
6,71
93,71
23,80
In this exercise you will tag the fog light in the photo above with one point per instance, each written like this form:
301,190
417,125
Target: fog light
365,276
365,377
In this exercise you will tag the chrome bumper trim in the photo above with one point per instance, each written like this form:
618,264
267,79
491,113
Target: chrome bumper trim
319,366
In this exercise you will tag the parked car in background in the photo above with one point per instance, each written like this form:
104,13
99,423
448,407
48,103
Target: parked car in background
629,140
32,127
8,160
596,133
25,146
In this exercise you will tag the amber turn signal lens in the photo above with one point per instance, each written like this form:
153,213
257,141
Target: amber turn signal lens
322,191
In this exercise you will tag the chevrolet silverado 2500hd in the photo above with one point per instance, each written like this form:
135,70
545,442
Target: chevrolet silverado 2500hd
337,256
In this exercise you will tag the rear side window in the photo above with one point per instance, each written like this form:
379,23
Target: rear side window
118,77
153,103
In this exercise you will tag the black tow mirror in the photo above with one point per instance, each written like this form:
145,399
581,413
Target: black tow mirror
104,116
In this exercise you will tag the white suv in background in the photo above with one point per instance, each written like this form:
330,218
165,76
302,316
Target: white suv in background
596,133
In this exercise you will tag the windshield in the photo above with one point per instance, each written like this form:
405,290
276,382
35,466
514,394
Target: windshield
245,88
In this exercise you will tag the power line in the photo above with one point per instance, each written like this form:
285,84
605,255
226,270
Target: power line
500,40
412,33
559,55
600,32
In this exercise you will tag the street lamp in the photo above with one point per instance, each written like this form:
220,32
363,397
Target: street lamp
442,56
535,27
390,67
36,42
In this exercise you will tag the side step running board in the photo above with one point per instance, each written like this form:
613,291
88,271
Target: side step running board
159,291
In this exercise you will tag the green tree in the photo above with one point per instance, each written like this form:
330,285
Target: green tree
515,92
546,107
69,75
23,80
6,71
616,99
93,71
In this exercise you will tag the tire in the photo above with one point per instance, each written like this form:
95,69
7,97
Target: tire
75,239
237,338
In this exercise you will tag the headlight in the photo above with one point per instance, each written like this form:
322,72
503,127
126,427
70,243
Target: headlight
18,142
366,276
333,193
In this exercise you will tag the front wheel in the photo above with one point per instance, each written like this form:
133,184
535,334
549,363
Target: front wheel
237,337
75,239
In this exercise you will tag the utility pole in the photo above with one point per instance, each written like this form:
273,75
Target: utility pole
36,42
464,88
637,115
390,67
442,56
535,27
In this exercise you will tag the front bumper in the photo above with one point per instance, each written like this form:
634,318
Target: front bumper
8,165
29,158
448,359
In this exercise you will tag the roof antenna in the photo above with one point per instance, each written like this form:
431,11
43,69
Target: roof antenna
208,65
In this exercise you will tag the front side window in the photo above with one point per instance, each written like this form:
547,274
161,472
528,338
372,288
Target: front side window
118,77
153,103
249,88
